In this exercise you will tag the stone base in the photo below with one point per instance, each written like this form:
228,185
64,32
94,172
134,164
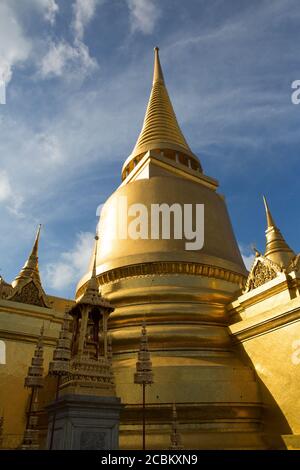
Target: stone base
83,422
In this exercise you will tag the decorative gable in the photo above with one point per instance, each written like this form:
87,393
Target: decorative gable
30,294
262,271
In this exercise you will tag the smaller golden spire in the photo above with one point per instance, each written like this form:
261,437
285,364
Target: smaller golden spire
277,249
27,286
31,267
92,295
93,284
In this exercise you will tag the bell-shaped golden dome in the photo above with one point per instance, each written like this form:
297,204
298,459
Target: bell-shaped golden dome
182,294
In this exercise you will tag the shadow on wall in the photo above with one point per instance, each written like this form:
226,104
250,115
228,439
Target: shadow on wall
274,422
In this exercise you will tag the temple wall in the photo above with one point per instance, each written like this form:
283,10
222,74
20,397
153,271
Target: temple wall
20,326
270,341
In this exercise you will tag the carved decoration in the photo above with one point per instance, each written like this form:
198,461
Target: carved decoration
262,271
168,267
29,294
294,264
91,374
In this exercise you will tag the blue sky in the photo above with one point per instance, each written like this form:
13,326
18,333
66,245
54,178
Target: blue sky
78,75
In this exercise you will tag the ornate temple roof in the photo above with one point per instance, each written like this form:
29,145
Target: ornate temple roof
278,257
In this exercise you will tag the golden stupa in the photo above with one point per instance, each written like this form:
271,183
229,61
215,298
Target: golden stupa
180,294
222,343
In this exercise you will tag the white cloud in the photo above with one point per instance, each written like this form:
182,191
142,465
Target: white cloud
15,46
63,59
72,264
8,197
143,15
72,61
51,11
247,255
5,187
84,11
248,260
48,8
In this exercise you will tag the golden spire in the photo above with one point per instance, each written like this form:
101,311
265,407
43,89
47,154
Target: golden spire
31,267
277,249
160,128
28,276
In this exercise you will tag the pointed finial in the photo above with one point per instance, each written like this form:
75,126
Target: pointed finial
95,257
35,247
157,74
255,250
92,294
270,220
